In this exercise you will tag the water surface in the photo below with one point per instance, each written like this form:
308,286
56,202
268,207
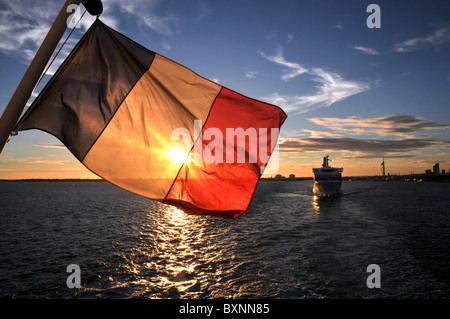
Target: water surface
289,244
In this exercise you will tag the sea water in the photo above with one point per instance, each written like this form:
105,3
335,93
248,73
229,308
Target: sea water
289,243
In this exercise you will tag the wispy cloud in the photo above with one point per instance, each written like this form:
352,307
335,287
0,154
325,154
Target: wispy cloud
146,12
339,26
50,145
331,87
205,9
321,133
163,25
24,24
290,38
166,46
363,147
434,39
293,69
32,160
431,40
366,50
392,125
20,31
394,137
251,74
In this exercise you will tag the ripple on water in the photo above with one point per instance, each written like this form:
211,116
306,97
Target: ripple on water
289,244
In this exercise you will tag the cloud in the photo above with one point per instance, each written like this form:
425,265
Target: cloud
320,134
366,50
51,145
396,125
293,69
146,12
434,39
32,160
290,38
205,10
363,147
430,40
46,162
339,26
251,74
162,25
166,46
332,88
335,138
19,31
377,156
24,24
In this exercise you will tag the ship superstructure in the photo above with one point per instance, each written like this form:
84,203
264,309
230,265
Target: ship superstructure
327,179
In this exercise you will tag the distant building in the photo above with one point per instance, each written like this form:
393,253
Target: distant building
443,172
292,176
436,170
428,172
279,177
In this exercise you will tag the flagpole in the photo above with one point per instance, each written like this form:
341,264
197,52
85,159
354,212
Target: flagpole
26,86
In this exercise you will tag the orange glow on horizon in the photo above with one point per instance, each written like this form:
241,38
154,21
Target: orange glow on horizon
48,163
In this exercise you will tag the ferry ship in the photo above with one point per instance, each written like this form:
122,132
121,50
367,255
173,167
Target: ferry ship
327,179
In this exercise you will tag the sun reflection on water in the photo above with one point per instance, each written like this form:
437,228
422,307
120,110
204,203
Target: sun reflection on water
171,251
315,204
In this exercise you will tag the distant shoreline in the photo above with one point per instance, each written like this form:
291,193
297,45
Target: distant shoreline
393,178
54,180
377,178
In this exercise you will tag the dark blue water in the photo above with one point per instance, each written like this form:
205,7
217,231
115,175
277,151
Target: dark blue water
289,244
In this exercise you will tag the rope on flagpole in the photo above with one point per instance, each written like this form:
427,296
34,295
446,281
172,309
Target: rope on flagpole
22,93
51,62
94,7
14,133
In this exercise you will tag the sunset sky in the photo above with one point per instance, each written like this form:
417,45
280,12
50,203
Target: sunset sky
352,92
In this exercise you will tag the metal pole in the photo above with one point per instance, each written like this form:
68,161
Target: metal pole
26,86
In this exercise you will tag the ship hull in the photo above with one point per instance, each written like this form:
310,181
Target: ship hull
327,188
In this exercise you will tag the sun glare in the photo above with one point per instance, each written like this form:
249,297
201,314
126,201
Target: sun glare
177,156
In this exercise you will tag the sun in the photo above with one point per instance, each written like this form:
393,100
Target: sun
177,156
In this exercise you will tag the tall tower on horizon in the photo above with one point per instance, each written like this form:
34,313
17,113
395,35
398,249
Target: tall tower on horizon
436,169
